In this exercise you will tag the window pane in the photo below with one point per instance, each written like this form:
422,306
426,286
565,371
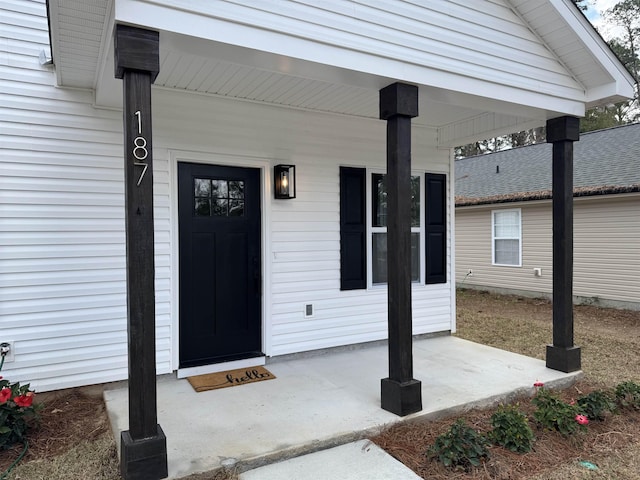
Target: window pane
202,207
236,208
220,198
507,224
507,252
219,207
219,189
506,217
415,201
507,231
201,187
379,199
379,254
236,189
379,247
415,257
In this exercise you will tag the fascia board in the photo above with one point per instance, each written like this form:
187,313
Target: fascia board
54,35
163,18
598,48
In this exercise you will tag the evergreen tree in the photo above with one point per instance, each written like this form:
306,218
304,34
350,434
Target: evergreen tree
625,14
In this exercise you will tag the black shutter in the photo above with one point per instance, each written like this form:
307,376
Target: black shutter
436,228
353,245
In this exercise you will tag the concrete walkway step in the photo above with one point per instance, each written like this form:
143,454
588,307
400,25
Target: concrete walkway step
362,460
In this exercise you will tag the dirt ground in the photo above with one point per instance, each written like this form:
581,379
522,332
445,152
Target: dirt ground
609,338
610,341
74,442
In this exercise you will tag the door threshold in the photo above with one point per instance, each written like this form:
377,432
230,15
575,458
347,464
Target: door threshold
221,367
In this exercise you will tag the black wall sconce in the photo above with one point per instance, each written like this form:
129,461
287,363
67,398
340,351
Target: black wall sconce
284,181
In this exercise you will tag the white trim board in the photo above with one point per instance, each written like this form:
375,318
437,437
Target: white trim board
265,167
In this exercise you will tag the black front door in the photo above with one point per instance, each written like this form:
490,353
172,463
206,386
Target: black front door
220,264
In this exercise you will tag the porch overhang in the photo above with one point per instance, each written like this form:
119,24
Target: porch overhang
213,50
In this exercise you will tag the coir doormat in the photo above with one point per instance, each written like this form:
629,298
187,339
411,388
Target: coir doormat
230,378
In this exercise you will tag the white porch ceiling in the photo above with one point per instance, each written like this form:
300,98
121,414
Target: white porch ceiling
82,44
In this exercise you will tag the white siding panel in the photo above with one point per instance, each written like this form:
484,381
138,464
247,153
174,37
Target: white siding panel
62,288
62,231
304,253
485,40
606,248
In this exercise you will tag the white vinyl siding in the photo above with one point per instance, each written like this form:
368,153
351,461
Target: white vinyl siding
62,288
304,255
506,241
62,229
486,40
606,249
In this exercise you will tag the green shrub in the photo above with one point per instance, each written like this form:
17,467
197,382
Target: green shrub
554,414
511,429
628,395
461,447
596,405
17,412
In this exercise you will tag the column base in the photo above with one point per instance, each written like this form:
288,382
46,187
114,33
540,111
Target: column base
564,359
401,398
144,459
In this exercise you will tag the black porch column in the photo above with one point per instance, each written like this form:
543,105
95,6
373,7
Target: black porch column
401,393
143,446
563,355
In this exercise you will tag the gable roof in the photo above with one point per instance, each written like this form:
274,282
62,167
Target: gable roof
605,161
484,68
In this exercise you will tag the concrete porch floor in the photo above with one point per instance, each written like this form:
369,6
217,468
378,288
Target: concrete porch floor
323,401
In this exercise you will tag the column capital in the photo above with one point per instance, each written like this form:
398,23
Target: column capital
563,129
398,99
136,49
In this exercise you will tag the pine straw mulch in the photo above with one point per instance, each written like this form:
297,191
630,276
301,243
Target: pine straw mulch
409,441
66,418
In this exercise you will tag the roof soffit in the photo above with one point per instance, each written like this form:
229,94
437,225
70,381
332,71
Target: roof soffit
579,47
83,49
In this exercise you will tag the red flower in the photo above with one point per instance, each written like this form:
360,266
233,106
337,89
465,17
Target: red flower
582,420
5,395
538,384
24,400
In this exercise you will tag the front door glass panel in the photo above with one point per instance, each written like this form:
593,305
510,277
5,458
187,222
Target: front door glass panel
218,198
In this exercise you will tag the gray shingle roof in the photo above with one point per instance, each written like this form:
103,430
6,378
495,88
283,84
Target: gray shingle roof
604,158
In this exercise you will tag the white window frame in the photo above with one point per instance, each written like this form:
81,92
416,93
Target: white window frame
371,229
494,238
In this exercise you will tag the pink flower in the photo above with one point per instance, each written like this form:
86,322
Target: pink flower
24,400
582,419
5,395
538,384
572,402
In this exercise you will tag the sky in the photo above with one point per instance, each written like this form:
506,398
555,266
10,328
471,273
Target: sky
594,14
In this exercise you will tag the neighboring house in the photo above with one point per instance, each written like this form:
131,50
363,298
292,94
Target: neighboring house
244,86
504,219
